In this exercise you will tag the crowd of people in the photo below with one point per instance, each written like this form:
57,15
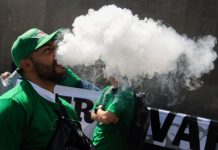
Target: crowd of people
28,106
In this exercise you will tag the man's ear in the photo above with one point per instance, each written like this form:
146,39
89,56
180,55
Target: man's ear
26,65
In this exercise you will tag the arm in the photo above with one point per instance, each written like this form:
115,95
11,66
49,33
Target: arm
72,79
11,81
1,86
105,117
8,81
5,75
94,117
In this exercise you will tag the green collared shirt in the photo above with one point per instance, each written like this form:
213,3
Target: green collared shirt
121,103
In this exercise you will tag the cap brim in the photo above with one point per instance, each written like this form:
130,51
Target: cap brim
48,38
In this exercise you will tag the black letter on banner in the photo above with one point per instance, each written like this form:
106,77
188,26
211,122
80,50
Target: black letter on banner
192,137
66,98
86,111
159,133
212,136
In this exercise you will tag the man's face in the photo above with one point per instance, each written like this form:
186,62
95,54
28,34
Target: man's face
45,63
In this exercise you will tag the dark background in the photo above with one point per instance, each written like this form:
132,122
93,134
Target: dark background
191,17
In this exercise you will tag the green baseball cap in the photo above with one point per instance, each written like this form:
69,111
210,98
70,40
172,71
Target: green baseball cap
28,42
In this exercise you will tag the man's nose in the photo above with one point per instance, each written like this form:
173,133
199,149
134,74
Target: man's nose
54,47
54,53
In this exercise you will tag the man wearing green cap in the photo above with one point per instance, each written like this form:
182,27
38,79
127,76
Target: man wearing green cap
28,111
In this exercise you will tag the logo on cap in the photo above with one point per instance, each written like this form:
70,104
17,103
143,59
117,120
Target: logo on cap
40,34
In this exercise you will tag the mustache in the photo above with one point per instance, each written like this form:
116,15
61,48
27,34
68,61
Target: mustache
55,63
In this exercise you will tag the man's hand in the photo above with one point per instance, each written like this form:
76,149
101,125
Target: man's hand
94,115
103,116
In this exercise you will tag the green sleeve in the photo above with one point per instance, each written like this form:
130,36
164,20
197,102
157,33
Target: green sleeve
116,106
121,102
12,124
100,98
71,80
98,101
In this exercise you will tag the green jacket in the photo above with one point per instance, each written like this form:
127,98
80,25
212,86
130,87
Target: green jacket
27,120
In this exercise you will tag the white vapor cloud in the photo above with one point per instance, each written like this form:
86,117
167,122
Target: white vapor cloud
134,46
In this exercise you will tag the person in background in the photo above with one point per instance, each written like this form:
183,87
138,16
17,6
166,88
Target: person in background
28,111
5,75
8,81
113,112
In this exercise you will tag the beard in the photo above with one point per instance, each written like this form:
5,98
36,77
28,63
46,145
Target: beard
54,73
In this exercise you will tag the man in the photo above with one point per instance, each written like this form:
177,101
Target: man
113,112
28,111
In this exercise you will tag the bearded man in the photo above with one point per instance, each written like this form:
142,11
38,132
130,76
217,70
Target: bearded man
28,111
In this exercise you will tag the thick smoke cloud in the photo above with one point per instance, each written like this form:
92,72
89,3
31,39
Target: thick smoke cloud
136,48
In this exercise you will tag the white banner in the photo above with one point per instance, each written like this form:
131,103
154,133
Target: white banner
167,129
